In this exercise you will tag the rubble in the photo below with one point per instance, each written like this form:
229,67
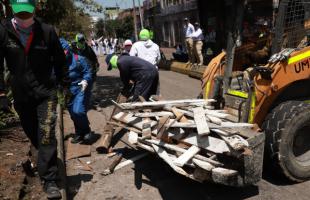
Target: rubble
189,135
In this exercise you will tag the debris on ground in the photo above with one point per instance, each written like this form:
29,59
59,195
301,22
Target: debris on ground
190,136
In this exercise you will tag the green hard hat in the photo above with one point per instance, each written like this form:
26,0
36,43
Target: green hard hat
144,34
23,5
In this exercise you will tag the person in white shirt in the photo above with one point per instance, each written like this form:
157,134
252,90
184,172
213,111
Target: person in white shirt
198,43
106,46
188,31
146,48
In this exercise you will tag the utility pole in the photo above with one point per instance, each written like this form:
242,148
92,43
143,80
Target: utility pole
140,14
135,20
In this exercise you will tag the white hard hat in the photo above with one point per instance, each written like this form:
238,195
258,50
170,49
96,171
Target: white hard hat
127,43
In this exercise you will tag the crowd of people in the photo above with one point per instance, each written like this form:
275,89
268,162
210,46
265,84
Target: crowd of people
104,46
41,64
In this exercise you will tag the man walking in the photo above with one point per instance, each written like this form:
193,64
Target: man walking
188,31
198,44
33,55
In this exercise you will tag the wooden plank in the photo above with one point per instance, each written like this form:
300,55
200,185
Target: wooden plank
224,172
131,120
161,126
130,161
201,121
203,165
186,156
179,114
176,133
209,143
217,113
105,140
214,120
77,150
132,137
159,104
186,113
181,150
234,141
118,166
146,131
59,132
164,155
123,126
192,124
154,114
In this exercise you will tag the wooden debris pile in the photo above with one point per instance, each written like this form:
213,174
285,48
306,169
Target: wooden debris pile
191,137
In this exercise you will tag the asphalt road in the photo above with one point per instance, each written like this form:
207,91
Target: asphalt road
151,178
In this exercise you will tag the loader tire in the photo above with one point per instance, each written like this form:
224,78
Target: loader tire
287,149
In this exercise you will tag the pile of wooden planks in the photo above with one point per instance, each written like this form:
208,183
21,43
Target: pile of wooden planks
189,135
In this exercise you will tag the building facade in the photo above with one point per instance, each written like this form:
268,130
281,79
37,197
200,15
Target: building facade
111,13
166,19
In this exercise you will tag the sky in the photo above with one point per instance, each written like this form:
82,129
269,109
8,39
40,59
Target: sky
121,3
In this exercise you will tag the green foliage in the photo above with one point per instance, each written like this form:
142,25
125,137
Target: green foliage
100,28
69,17
120,28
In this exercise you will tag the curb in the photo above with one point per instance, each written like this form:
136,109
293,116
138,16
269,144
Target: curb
183,68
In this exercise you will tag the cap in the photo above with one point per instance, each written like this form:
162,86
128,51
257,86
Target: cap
127,43
111,61
185,19
23,5
197,24
144,34
79,37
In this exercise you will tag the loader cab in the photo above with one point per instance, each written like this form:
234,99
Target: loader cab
263,77
257,30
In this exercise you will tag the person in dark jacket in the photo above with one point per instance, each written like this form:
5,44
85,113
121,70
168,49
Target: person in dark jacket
36,63
141,72
80,75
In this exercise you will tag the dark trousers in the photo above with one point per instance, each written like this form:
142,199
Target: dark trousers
38,120
146,86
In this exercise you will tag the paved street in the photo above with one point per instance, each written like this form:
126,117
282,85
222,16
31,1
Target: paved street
151,178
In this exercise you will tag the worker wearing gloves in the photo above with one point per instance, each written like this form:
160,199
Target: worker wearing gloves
146,48
80,75
141,72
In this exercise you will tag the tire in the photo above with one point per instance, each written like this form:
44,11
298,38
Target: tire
287,149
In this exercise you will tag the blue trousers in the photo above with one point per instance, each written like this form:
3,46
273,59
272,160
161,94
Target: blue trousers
78,107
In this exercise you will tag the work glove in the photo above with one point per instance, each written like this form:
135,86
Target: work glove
83,84
4,103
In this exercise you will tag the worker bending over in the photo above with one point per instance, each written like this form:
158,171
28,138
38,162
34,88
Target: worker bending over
141,72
